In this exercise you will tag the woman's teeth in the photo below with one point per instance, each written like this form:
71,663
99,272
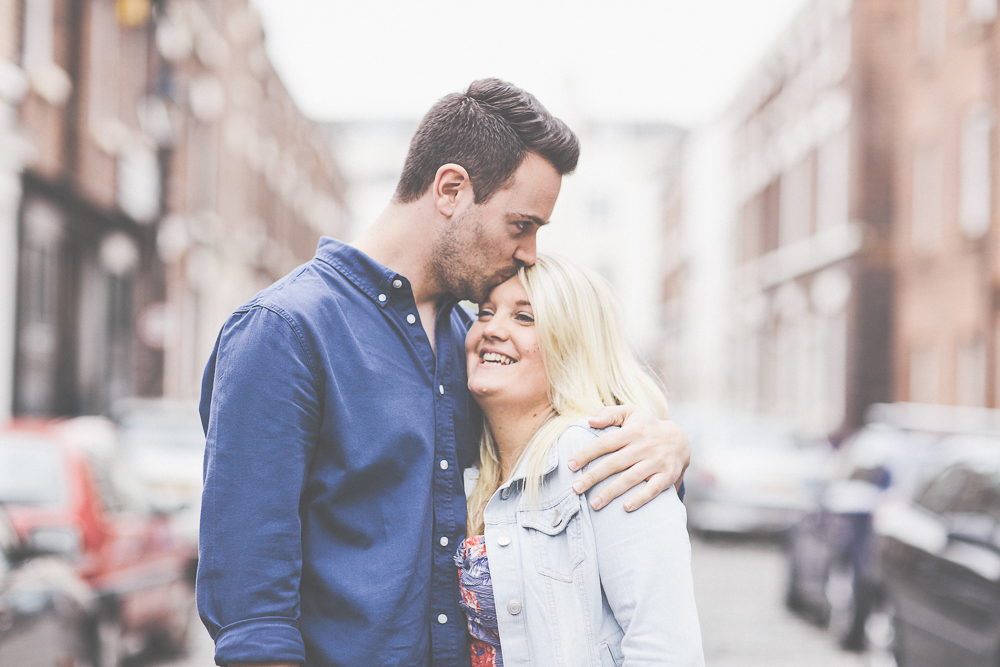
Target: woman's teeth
497,358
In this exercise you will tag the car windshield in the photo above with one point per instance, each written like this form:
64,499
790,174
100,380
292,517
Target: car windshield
31,471
163,430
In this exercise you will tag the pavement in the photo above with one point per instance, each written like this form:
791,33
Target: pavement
740,589
739,586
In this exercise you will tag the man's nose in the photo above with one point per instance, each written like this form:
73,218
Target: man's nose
526,253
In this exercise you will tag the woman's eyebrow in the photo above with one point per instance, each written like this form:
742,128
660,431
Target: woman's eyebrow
522,302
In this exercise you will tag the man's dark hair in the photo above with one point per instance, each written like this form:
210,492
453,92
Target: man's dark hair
488,129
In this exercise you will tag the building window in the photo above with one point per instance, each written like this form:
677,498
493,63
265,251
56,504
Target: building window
932,25
982,11
928,200
925,375
796,205
832,182
39,24
974,216
971,373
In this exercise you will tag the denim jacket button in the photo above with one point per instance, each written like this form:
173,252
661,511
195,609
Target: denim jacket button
503,540
514,607
555,519
505,494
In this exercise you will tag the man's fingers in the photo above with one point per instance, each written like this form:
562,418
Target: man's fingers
613,415
654,486
621,484
608,442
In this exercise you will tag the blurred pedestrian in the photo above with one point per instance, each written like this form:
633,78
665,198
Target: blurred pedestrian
338,420
545,580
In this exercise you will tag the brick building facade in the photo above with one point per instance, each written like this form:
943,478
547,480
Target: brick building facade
165,157
813,194
945,237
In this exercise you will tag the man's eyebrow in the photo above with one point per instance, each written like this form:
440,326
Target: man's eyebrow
525,216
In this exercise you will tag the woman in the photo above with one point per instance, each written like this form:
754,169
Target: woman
546,580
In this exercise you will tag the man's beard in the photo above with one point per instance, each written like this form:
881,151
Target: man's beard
454,260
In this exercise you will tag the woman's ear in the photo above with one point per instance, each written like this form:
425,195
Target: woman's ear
451,188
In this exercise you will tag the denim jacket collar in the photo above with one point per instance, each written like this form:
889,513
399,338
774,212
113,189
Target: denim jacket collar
522,468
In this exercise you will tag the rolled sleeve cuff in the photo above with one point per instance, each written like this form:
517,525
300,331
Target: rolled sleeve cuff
260,640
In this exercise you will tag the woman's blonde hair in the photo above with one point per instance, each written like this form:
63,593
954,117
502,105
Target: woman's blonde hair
588,365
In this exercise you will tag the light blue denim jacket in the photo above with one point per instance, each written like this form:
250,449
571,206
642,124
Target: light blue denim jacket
576,587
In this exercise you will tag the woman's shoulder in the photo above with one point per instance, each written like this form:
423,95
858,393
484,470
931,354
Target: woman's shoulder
578,434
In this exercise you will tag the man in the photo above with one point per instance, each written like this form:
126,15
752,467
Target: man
337,418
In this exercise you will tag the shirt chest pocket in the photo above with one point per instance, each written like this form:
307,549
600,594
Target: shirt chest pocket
556,536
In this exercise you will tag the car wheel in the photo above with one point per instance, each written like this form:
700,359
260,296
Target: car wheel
844,621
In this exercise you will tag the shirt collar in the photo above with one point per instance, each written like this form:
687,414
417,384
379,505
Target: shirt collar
372,278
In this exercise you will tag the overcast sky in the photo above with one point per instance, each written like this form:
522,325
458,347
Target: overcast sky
641,60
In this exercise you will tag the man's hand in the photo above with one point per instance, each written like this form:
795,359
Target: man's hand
645,448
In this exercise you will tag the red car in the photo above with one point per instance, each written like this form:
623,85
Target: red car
67,493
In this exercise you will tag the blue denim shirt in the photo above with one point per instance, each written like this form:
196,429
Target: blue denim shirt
333,494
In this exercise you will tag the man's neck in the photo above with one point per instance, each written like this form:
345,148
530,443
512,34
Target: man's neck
402,239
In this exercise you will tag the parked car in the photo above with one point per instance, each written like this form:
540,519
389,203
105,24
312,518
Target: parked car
831,573
748,474
162,441
939,560
46,609
67,492
164,444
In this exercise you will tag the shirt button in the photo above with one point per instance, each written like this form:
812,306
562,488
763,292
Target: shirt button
444,464
505,494
411,318
397,283
382,297
514,607
503,540
444,541
441,389
442,619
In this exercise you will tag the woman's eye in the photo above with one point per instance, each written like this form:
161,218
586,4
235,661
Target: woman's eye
484,313
524,318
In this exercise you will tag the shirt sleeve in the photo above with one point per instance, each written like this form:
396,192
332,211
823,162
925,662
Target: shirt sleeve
644,560
262,413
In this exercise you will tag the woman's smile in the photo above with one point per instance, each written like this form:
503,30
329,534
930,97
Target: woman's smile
504,361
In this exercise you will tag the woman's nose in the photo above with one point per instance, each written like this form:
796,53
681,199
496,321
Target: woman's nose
495,329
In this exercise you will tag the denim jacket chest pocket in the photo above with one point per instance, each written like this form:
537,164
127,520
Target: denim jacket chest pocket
555,532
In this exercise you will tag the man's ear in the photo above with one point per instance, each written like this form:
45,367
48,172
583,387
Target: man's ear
451,188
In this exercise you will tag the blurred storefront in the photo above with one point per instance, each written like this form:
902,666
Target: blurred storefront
164,158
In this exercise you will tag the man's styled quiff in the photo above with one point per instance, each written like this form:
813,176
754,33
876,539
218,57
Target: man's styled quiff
488,129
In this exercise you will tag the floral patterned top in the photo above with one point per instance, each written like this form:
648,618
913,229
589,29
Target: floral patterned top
477,601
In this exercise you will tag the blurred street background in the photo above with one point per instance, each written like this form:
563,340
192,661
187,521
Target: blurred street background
794,199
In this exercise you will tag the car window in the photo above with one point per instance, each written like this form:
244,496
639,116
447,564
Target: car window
944,491
980,494
32,471
117,486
